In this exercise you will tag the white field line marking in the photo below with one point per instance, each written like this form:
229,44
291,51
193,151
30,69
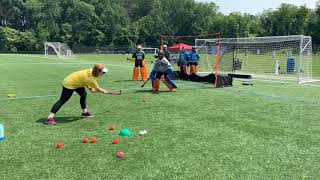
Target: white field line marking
273,97
292,83
311,85
28,97
100,62
61,63
3,64
284,98
54,95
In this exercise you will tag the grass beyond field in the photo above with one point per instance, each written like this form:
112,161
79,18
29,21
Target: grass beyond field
265,131
263,63
316,66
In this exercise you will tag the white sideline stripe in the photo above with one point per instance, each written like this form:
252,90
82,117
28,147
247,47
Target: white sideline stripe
28,97
116,65
272,97
312,85
294,83
54,95
119,65
57,63
285,98
2,64
272,81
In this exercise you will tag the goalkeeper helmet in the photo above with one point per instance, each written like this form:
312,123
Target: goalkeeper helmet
161,53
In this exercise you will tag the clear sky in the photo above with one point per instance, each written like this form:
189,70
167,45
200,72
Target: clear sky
255,6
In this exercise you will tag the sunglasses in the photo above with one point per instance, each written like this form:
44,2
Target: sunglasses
101,70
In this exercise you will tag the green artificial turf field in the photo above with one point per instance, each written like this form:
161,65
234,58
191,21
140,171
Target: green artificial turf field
266,131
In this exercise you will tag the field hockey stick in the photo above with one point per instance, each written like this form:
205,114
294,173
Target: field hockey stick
115,93
131,59
144,83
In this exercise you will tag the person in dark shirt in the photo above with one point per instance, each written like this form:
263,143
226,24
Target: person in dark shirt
138,58
166,52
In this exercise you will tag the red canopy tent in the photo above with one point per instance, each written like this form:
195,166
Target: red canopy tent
180,46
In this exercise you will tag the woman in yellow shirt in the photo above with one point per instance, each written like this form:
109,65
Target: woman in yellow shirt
77,82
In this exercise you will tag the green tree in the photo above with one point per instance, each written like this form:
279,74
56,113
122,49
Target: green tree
9,38
288,19
113,17
313,25
128,22
84,24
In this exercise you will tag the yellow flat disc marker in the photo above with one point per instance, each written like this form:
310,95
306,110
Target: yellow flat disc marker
11,95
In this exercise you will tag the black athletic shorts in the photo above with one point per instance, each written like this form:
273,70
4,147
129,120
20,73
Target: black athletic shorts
160,74
138,63
193,63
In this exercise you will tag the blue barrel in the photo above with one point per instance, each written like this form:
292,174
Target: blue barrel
290,65
1,132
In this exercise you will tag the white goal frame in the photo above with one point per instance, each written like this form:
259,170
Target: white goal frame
61,49
263,57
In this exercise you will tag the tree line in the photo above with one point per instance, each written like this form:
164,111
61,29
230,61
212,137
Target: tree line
26,24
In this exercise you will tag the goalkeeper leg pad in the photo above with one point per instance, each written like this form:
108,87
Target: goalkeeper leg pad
170,82
144,72
156,85
184,69
192,69
153,75
169,86
135,73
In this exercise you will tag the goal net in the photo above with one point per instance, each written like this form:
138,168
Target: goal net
57,48
279,57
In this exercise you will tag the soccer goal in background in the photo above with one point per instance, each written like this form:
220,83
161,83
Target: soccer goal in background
277,57
149,50
56,48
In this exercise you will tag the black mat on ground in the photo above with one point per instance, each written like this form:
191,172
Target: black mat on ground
223,80
243,76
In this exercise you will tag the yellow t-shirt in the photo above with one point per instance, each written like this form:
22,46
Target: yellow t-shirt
80,79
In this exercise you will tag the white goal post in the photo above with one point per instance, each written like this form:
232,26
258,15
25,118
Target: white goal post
57,48
278,57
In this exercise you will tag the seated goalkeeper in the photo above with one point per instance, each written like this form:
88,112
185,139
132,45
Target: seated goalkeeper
77,82
162,68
